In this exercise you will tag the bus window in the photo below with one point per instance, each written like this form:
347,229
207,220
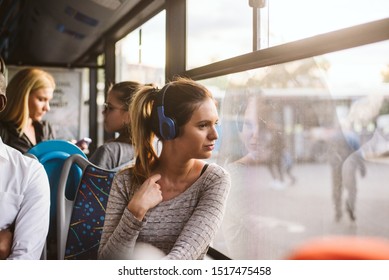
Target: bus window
306,158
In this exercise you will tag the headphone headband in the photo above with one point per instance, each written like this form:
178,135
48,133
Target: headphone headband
167,126
161,96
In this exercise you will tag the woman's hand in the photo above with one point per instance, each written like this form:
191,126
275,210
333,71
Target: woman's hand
148,196
83,144
6,237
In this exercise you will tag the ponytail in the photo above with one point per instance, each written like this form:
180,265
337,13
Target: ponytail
142,134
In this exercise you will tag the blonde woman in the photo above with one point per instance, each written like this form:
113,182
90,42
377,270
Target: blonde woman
29,93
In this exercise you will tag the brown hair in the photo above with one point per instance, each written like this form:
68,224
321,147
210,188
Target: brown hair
124,92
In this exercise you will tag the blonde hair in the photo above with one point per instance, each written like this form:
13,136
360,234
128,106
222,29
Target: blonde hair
182,97
18,91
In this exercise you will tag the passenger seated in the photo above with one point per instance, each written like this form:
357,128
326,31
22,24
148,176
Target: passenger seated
21,124
24,200
173,201
118,151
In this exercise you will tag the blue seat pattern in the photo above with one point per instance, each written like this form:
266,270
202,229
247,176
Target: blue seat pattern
88,214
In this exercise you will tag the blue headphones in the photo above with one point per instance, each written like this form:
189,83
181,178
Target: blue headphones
167,126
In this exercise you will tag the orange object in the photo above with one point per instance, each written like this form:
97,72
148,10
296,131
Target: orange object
342,248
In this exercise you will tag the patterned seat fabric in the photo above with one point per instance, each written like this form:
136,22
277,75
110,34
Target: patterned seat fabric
88,214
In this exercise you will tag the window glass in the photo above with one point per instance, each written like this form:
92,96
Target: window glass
294,20
222,29
140,56
307,147
217,30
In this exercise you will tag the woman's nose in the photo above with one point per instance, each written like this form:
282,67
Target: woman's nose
214,134
47,106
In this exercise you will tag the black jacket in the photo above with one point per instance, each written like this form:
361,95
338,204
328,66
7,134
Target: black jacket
10,135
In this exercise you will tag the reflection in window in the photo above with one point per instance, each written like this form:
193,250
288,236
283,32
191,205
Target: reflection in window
307,147
140,56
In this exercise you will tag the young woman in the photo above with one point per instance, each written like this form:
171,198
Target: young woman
172,200
28,94
118,151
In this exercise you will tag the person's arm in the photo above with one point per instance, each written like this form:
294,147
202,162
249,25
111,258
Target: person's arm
125,216
5,243
115,239
202,226
32,221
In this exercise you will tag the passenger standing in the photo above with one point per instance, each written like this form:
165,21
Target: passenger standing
345,161
280,163
352,164
21,124
174,201
118,151
24,200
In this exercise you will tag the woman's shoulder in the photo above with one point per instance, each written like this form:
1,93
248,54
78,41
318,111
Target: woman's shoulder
9,133
214,180
46,129
217,169
125,174
125,180
113,146
216,174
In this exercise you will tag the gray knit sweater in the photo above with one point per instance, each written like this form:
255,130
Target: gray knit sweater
182,227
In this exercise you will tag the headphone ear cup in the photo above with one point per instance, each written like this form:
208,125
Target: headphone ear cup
167,126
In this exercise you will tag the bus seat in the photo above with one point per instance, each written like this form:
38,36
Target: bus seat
52,155
80,220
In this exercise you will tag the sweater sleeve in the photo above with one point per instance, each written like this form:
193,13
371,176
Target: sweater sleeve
121,228
202,226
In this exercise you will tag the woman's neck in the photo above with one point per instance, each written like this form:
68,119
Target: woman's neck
176,177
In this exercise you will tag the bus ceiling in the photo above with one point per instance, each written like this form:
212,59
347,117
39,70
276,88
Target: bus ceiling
66,33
